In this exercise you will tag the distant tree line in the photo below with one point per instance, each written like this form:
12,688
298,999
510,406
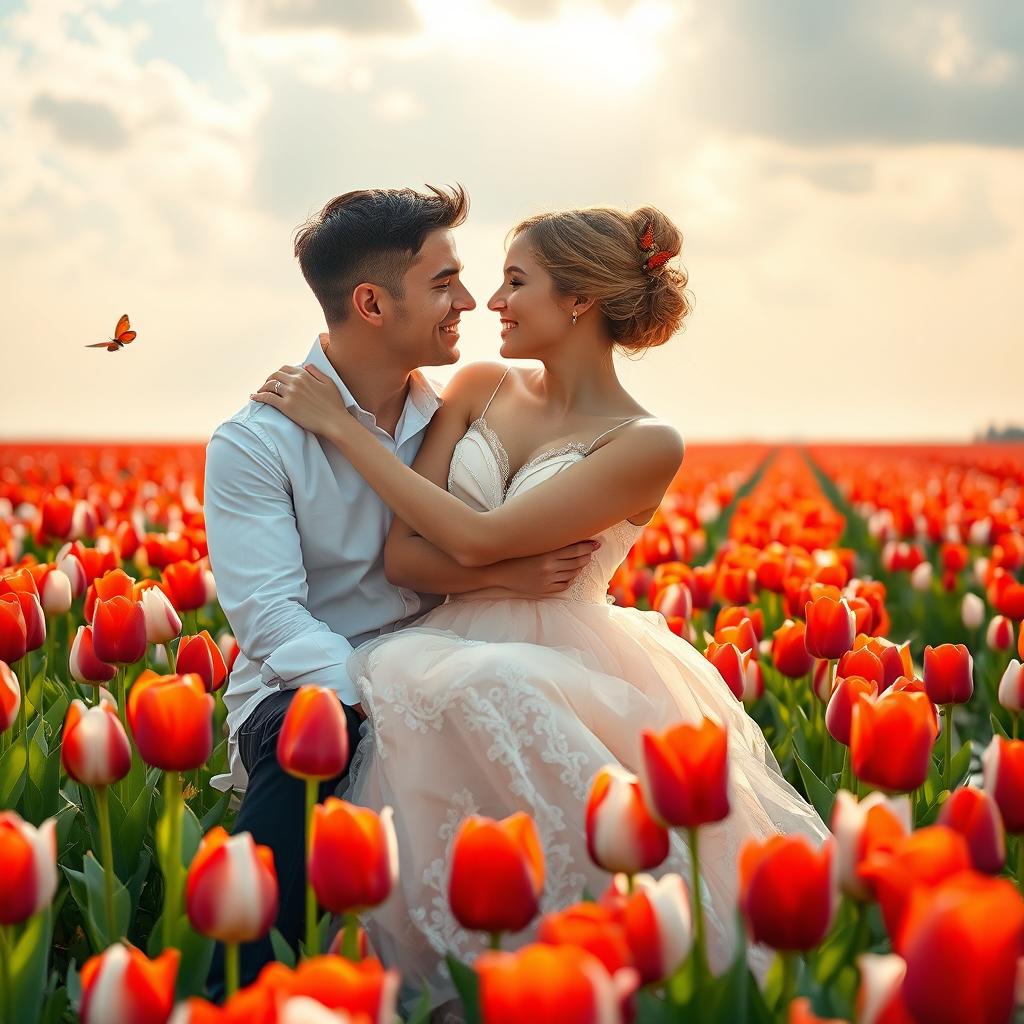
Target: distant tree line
1007,433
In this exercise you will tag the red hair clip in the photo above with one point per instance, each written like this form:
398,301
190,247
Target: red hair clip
655,257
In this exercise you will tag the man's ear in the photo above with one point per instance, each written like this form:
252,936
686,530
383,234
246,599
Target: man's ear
368,300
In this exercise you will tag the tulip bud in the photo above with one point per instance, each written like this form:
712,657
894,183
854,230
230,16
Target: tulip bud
839,712
621,834
948,673
872,825
831,628
731,665
577,988
999,635
972,611
28,880
787,891
85,667
822,680
10,697
973,814
1003,774
123,984
119,631
55,595
789,652
313,740
95,749
162,621
365,843
684,774
199,654
658,923
231,892
674,599
891,739
921,577
171,718
753,680
1011,688
187,585
13,631
980,533
589,926
497,873
73,569
878,999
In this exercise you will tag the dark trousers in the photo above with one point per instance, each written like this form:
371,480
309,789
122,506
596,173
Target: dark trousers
273,810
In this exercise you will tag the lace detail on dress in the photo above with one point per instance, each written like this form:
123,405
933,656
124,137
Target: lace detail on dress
536,460
495,444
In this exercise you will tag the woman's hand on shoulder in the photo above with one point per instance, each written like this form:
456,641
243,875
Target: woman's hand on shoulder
308,397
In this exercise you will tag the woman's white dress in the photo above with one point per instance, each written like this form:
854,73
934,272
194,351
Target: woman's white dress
491,706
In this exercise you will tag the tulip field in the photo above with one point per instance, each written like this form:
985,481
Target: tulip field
864,604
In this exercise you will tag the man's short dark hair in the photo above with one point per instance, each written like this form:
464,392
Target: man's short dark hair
371,235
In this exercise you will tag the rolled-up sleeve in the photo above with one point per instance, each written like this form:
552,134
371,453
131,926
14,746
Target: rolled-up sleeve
256,556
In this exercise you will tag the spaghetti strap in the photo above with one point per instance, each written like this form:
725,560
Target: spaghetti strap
493,393
615,427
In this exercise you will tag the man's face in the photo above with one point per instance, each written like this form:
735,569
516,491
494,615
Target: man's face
425,327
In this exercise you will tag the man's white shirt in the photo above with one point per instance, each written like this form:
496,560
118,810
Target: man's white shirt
296,539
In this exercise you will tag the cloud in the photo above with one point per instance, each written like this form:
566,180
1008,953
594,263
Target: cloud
80,122
382,17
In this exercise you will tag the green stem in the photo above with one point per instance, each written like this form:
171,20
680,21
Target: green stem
119,694
947,745
312,938
6,980
700,943
172,659
788,982
495,940
107,853
350,940
20,670
630,883
844,774
172,892
232,972
1020,862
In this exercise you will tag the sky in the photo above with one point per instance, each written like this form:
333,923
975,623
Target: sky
848,177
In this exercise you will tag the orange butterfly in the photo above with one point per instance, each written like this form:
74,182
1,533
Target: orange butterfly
122,336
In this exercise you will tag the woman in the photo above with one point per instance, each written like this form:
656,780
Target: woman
493,703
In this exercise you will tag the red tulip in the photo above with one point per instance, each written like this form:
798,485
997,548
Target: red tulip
55,518
358,989
741,634
674,599
119,631
10,697
122,984
862,662
621,834
974,814
822,680
962,951
658,922
895,658
891,739
116,583
787,891
171,718
199,654
85,667
95,749
731,663
231,893
28,867
1009,599
873,825
497,873
1003,773
70,565
313,739
753,679
684,774
550,985
13,631
839,712
592,927
831,628
736,585
948,673
187,585
999,635
1020,642
365,843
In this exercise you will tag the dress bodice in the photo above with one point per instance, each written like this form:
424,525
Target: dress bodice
479,476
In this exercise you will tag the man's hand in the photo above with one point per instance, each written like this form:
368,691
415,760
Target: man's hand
550,573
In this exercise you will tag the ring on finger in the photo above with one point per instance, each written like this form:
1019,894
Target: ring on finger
277,387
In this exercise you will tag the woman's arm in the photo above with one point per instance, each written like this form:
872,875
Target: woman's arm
411,560
625,475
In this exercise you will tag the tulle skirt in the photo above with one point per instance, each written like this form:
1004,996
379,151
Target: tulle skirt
463,720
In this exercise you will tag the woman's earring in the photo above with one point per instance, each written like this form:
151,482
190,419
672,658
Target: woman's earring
574,318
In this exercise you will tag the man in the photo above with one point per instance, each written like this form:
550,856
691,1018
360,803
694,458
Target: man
296,536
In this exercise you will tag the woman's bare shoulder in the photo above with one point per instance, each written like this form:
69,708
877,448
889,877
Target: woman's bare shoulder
471,385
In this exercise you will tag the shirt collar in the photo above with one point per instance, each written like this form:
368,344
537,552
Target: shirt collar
420,404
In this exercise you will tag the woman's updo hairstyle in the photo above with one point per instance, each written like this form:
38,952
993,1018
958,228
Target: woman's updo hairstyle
598,252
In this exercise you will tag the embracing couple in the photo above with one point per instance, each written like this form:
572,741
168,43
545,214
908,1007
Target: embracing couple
442,563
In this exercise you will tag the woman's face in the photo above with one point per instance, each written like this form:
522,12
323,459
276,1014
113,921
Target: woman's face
533,315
